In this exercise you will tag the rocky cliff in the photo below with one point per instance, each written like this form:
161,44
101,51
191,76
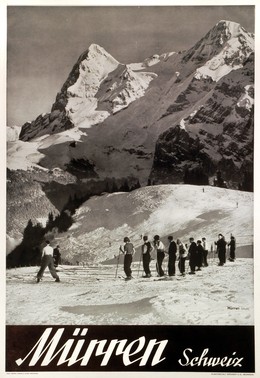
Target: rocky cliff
218,135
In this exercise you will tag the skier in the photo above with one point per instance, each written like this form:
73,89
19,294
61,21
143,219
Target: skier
47,261
232,246
192,255
160,248
128,250
205,252
221,249
172,256
200,252
146,254
56,256
182,256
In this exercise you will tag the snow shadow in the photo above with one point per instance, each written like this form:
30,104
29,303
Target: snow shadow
199,222
212,215
245,251
120,311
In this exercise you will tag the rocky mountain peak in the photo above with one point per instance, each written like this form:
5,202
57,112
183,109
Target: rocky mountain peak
231,29
93,67
96,49
224,48
225,33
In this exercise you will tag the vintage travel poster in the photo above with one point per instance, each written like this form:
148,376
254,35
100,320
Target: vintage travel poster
130,189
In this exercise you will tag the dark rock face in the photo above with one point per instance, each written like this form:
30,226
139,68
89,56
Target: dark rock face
177,152
61,98
57,120
219,136
81,168
26,199
49,123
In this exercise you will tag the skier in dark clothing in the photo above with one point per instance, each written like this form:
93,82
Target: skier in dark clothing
221,249
56,256
146,253
200,251
182,256
159,246
128,250
232,246
172,256
192,255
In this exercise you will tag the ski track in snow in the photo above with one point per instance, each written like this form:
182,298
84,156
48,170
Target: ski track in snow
92,295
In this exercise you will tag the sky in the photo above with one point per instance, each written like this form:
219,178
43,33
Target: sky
44,42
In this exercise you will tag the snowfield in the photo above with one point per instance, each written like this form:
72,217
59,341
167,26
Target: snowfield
93,291
92,295
182,211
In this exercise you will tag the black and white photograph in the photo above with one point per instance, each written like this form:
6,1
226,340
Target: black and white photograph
130,188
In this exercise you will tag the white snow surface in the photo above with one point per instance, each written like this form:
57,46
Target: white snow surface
100,64
23,155
92,295
134,89
182,124
26,155
151,61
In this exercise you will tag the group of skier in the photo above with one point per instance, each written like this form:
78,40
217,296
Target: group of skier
195,252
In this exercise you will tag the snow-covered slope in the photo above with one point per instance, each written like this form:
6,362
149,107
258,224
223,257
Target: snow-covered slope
179,210
102,79
92,295
151,61
92,244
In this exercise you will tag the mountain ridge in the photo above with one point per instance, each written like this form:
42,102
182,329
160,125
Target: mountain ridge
155,121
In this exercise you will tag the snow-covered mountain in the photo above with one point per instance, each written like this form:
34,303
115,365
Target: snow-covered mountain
101,223
118,112
97,86
176,117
